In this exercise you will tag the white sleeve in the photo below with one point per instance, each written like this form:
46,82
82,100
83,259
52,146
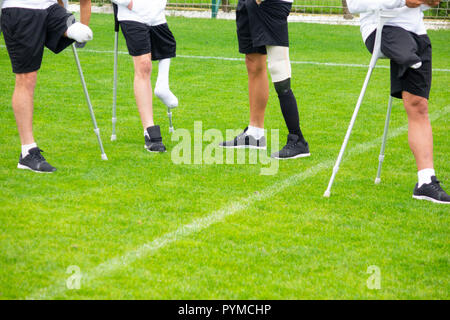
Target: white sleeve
358,6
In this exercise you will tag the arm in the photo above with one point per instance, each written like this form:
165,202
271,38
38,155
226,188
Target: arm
358,6
85,11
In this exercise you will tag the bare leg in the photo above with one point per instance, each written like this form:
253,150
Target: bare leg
143,89
22,103
258,87
420,134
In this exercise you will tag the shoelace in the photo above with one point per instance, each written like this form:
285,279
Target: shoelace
290,144
37,155
436,186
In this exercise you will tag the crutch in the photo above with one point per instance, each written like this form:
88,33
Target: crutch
383,18
169,114
86,94
383,143
116,54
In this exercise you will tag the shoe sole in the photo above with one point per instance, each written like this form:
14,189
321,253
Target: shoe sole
22,167
429,199
243,147
303,155
145,147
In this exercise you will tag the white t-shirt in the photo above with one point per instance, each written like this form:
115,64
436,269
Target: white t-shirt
150,12
410,19
28,4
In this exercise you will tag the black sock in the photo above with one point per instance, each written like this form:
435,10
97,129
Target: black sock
289,108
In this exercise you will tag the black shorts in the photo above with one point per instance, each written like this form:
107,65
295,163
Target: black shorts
27,31
405,49
262,25
143,39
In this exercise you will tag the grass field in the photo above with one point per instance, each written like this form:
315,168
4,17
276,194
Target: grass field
140,227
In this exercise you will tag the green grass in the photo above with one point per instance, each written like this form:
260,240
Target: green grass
292,245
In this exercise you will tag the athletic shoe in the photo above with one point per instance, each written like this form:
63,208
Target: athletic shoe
153,141
293,149
431,192
245,141
34,161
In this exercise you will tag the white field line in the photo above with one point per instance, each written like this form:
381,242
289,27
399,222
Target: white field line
114,264
328,64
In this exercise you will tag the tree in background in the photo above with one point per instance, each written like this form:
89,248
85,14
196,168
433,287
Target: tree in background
226,5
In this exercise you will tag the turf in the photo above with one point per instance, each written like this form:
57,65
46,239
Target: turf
283,240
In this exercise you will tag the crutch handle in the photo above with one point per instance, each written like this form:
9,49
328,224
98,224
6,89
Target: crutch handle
383,17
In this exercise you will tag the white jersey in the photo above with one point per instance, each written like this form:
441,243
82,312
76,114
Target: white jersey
410,19
150,12
28,4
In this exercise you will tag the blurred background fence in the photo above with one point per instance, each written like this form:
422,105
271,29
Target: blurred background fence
300,6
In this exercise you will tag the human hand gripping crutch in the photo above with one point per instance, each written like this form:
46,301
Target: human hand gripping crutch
86,93
383,18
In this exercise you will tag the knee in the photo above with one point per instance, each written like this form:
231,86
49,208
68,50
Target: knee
143,68
279,63
256,64
26,80
417,107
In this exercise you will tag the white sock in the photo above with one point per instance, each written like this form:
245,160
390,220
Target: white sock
26,148
425,176
255,132
162,90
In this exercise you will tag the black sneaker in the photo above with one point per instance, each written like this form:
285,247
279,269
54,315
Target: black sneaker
293,149
34,161
245,141
153,141
431,192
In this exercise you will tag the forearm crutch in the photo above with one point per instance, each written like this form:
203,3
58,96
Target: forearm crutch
383,18
86,94
116,56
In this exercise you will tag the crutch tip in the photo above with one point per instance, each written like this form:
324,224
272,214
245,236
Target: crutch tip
171,130
377,180
327,194
104,157
113,137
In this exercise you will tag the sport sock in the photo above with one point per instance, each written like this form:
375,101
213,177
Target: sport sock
425,176
289,108
26,148
255,132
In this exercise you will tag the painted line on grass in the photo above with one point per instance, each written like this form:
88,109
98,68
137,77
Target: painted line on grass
328,64
203,223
